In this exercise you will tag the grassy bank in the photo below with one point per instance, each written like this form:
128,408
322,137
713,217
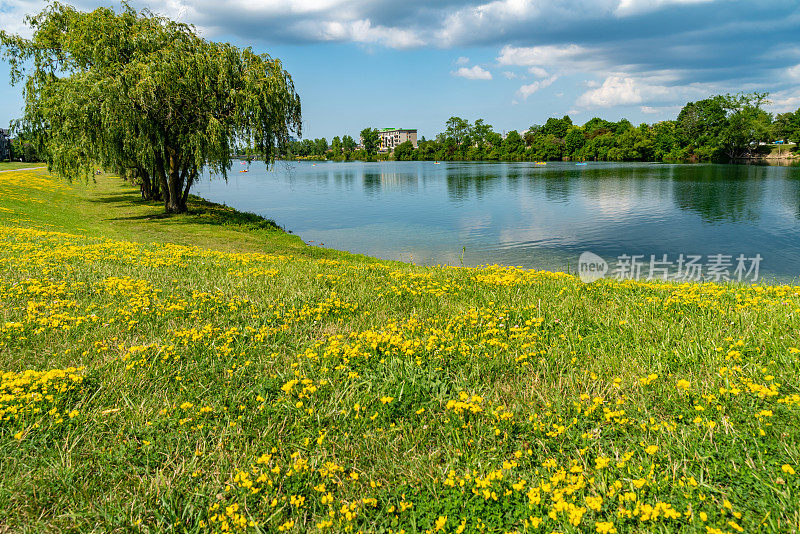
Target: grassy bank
253,383
13,165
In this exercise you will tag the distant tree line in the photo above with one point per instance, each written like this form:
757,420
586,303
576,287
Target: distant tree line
342,148
720,128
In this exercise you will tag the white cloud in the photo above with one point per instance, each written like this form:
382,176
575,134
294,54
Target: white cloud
783,101
539,72
553,60
624,91
664,111
527,90
475,72
463,24
360,31
637,7
12,15
740,48
621,83
299,7
615,90
538,56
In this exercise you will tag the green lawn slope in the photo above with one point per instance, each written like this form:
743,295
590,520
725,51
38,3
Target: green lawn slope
210,373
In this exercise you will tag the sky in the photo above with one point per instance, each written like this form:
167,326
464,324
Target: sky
513,63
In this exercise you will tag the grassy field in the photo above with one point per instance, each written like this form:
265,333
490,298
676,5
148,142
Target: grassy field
208,372
12,165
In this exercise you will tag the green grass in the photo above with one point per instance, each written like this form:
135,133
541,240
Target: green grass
13,165
782,150
208,372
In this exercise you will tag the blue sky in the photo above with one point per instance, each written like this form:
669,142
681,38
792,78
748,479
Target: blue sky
514,63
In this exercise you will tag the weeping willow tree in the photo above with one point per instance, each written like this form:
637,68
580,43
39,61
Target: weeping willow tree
146,96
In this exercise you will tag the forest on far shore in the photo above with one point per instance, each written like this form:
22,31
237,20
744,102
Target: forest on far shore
717,129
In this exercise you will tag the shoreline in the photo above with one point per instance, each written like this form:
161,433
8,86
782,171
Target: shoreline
779,161
238,228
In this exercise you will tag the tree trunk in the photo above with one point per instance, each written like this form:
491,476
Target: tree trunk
145,184
192,175
163,179
174,197
175,186
152,185
156,191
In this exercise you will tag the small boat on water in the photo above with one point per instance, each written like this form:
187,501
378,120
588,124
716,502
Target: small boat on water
541,163
581,163
244,170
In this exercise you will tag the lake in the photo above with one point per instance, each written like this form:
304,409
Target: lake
533,216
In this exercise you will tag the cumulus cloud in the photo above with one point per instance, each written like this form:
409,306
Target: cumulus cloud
462,23
627,78
527,90
536,58
622,91
475,72
657,92
783,101
636,7
360,31
539,72
625,43
666,111
541,60
549,62
615,90
446,23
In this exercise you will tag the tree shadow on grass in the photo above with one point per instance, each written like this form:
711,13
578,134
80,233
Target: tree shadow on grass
203,212
200,211
149,217
119,198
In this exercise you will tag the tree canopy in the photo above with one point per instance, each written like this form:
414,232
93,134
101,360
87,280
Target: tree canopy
719,128
371,141
145,95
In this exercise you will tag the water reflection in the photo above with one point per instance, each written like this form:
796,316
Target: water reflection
529,215
344,181
375,182
464,186
723,192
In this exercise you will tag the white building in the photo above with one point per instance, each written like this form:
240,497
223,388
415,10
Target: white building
391,137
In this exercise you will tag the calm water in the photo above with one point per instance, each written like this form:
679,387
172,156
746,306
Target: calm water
529,215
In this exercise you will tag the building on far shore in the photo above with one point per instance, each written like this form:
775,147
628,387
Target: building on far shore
5,144
391,137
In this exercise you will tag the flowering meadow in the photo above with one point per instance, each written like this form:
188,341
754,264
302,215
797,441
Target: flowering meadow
152,386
